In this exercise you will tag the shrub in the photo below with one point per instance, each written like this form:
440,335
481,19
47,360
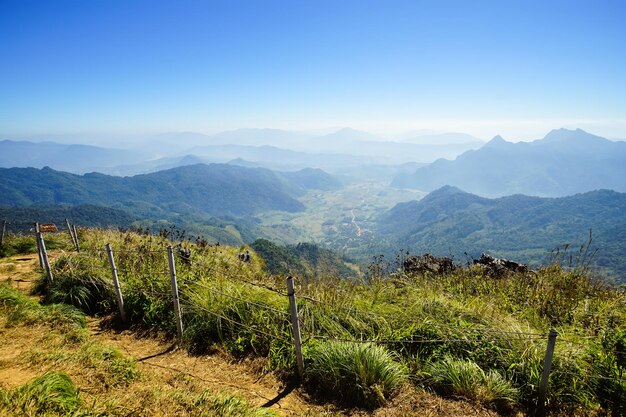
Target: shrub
362,373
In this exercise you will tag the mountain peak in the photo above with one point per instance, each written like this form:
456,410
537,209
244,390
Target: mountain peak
447,190
562,135
497,141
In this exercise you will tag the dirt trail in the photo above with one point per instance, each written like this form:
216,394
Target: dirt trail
158,362
215,372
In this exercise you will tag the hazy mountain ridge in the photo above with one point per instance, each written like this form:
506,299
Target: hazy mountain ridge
565,162
215,189
450,222
270,148
75,158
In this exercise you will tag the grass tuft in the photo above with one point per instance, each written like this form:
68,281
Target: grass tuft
465,378
365,374
53,392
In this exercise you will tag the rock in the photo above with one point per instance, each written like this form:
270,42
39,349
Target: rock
496,267
428,263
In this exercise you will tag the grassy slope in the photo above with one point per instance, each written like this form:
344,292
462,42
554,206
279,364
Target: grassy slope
486,333
116,373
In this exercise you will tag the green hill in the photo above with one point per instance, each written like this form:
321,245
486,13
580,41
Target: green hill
449,221
215,189
305,260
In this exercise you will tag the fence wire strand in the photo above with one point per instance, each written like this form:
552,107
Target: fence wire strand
214,268
235,297
195,306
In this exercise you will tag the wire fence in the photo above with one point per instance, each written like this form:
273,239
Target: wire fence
193,290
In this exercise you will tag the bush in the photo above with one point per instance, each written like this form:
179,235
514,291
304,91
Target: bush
362,373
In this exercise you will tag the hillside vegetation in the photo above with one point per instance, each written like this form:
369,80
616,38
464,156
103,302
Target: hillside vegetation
215,190
463,334
450,222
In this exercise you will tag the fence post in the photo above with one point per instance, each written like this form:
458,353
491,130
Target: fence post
547,364
4,229
71,232
295,324
44,254
76,238
179,320
39,251
116,283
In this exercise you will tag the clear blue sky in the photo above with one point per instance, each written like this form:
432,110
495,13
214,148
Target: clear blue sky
486,67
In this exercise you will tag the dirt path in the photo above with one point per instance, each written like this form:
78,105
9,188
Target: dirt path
155,357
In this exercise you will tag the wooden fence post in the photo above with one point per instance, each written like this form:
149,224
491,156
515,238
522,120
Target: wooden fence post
46,261
71,232
295,324
116,283
179,319
39,251
4,229
76,238
547,364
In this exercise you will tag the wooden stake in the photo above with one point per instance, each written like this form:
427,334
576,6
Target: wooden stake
4,229
179,320
547,364
295,324
46,261
76,237
39,251
69,229
116,283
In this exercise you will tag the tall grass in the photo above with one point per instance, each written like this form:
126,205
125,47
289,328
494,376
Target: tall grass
355,373
53,393
466,379
464,317
20,309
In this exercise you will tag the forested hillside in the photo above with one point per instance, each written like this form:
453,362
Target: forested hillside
215,189
449,221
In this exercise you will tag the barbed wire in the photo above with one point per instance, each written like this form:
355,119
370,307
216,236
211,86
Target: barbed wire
213,268
95,249
395,319
235,297
392,341
196,306
620,380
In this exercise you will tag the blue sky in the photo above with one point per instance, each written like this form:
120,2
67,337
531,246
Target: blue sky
483,67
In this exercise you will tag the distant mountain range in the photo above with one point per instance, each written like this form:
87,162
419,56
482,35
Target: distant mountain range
77,159
565,162
216,189
449,221
269,148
